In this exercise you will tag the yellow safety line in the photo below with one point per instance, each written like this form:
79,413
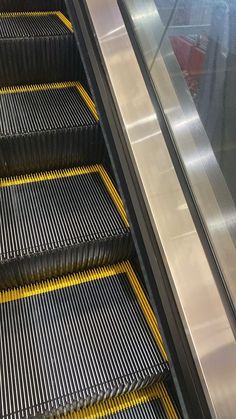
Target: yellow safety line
60,15
16,14
59,283
58,174
113,193
88,100
146,308
50,86
127,401
167,403
64,19
36,87
53,174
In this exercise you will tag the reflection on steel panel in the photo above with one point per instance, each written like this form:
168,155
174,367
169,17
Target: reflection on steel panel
201,308
198,152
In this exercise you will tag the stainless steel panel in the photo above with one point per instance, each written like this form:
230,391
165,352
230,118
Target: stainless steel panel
202,311
205,177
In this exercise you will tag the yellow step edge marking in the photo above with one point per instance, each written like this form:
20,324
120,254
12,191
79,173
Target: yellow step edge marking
49,86
113,193
167,403
91,275
58,174
59,14
16,14
146,308
37,87
87,100
60,283
42,176
64,19
127,401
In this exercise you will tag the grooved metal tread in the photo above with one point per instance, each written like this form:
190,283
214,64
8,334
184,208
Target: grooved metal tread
38,47
46,107
152,402
47,127
31,25
76,340
58,222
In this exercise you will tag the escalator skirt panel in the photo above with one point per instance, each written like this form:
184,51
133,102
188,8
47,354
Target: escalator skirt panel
58,222
90,336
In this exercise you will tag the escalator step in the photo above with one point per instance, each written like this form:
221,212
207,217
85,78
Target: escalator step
58,222
37,47
148,403
31,5
77,340
47,127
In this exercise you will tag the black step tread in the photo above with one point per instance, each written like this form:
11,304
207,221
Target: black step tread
31,5
57,222
38,47
72,214
47,127
70,342
20,25
54,106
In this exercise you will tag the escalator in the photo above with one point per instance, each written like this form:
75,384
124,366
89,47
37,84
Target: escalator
78,336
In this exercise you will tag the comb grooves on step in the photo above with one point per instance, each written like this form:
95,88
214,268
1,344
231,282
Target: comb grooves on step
43,48
58,222
88,339
48,126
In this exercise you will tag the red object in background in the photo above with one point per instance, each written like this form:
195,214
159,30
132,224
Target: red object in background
190,57
191,60
182,50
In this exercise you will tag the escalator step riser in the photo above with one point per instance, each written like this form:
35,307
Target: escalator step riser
48,127
42,49
31,5
60,222
71,342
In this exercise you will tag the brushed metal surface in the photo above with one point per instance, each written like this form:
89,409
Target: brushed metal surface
202,311
208,185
